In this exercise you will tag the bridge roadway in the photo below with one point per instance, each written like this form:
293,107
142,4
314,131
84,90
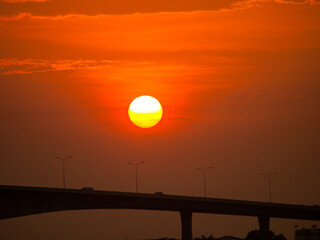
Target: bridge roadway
18,201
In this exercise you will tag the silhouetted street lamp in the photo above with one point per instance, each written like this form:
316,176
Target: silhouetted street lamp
63,170
269,175
204,179
136,165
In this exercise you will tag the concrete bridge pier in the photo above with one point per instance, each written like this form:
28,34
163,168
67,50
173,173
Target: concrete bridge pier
186,225
264,223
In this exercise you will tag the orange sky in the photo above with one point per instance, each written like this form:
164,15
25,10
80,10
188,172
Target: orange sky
238,82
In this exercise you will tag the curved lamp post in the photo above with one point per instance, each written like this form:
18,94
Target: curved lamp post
269,175
63,169
136,165
204,170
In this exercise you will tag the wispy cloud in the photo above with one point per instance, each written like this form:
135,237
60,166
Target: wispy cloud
23,66
95,37
261,3
23,1
109,7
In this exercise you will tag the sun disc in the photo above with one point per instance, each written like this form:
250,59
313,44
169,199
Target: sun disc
145,111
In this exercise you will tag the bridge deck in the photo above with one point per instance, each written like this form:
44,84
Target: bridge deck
20,201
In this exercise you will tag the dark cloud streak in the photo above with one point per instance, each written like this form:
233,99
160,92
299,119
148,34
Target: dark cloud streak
64,7
25,66
108,7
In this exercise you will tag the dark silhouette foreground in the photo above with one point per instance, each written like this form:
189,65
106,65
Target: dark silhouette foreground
16,201
264,235
253,235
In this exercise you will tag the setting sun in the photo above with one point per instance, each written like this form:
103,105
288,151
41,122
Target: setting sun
91,90
145,111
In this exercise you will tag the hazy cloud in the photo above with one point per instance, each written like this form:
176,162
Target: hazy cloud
22,66
110,7
260,3
18,1
64,7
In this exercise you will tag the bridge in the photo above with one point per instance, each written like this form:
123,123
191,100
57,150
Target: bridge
16,201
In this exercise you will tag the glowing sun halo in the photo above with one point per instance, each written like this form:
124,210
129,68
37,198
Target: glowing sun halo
145,111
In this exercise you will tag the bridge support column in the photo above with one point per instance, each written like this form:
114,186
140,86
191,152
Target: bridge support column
186,225
264,223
